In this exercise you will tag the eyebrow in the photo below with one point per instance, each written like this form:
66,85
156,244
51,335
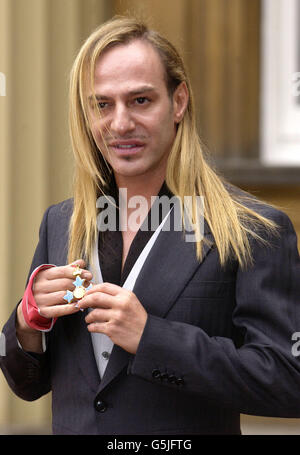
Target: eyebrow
138,91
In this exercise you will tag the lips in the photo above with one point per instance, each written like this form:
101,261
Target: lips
127,146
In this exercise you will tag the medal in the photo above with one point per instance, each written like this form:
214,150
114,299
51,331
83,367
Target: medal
79,290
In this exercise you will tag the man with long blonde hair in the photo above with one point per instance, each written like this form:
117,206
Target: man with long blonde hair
140,330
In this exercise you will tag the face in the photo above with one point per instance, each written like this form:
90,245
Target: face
137,116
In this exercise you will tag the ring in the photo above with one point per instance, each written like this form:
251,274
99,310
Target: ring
79,290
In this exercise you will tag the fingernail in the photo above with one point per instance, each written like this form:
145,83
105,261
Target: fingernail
76,262
77,306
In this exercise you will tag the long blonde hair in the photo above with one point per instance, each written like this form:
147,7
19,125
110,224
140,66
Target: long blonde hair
188,172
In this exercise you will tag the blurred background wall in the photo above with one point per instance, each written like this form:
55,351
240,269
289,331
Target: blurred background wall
222,43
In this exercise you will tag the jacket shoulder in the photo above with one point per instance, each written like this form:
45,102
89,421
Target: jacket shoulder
56,226
59,214
63,208
258,206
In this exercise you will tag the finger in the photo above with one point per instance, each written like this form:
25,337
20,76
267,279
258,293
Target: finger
66,271
98,315
79,262
48,286
56,285
96,299
106,288
50,299
84,273
97,327
57,311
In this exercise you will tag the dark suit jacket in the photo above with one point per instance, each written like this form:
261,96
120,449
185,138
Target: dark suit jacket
217,342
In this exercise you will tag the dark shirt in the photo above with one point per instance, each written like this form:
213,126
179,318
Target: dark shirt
111,246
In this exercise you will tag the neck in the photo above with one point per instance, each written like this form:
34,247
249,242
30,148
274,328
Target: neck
145,186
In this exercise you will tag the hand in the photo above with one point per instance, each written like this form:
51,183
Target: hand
50,286
117,313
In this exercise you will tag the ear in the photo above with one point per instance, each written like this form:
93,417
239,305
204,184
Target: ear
180,101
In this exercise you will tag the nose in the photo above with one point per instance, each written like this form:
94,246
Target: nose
121,121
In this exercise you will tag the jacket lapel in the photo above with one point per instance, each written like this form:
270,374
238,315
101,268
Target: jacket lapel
169,266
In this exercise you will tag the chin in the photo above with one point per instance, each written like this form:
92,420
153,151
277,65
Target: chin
129,170
130,173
